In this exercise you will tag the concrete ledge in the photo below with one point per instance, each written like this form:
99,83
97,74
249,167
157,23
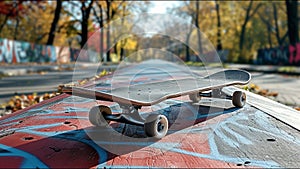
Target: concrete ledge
277,110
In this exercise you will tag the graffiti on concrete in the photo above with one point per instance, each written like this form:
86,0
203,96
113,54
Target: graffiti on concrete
22,52
285,55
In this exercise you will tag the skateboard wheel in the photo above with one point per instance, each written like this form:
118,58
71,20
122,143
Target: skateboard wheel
96,115
156,125
195,97
239,99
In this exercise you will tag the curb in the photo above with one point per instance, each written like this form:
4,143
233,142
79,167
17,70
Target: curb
23,71
285,70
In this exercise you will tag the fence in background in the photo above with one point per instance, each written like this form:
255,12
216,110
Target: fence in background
21,52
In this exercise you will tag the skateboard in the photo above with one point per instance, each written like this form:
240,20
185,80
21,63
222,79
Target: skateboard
132,98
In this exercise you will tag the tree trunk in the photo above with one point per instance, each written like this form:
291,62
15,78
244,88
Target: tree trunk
198,30
123,42
51,34
276,24
85,11
108,3
17,25
242,35
219,43
187,48
269,36
101,32
292,16
269,26
3,23
100,21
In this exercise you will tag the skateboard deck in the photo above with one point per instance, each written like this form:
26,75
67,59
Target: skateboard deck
152,93
131,98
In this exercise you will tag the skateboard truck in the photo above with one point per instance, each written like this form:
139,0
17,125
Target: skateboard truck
238,98
130,115
155,125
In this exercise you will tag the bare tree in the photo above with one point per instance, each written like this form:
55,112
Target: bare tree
270,27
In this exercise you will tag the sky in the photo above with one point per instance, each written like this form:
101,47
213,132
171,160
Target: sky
161,6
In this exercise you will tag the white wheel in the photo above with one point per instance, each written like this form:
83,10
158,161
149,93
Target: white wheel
195,97
96,115
156,125
239,99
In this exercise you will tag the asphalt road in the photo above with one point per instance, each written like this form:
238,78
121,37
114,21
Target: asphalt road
286,86
40,83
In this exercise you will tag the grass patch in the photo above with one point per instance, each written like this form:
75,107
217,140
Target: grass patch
287,69
200,64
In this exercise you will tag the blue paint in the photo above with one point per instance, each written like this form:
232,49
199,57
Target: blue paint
226,139
76,100
71,109
9,124
240,138
64,117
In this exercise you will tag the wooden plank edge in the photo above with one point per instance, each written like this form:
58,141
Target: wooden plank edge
279,111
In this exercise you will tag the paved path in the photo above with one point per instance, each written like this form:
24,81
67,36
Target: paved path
288,87
27,83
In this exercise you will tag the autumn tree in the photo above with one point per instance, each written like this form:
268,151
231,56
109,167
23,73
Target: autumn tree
12,10
107,13
250,11
32,23
270,16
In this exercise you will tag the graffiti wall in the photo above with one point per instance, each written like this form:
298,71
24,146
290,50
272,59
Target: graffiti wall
21,52
287,55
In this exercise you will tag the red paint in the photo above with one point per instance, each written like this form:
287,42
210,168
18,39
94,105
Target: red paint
10,162
294,53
